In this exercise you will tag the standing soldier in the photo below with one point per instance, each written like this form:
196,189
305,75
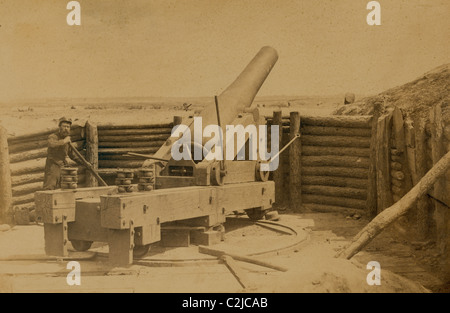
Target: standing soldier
58,154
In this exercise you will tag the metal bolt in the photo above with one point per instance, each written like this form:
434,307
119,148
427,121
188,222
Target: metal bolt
131,222
132,246
123,206
157,221
65,227
145,208
263,190
132,233
55,202
65,241
123,223
64,217
223,210
56,218
210,199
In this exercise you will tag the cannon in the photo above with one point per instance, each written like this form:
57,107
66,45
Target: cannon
178,201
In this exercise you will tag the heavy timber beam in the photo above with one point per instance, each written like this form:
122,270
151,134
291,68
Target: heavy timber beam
205,206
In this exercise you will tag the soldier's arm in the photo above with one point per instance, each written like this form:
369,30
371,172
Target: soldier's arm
53,141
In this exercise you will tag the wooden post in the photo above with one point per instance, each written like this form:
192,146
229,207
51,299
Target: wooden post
5,179
278,173
423,218
383,152
440,190
400,144
295,182
371,202
91,152
177,120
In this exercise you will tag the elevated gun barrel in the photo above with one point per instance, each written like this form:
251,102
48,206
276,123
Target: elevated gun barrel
238,96
241,93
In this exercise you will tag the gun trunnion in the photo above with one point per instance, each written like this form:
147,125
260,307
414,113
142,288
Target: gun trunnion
188,201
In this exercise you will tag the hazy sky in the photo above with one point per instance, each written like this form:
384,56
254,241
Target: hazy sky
197,47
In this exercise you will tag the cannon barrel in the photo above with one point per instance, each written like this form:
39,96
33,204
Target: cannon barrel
238,96
241,93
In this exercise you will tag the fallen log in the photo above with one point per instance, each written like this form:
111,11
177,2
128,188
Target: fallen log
336,201
335,171
347,192
335,131
335,181
328,160
389,215
317,150
336,141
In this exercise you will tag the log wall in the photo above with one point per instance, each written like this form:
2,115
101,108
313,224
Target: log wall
332,166
27,155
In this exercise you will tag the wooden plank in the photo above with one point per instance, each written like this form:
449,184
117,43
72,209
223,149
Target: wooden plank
384,194
295,160
174,182
337,181
353,193
318,150
278,173
5,178
237,272
334,171
336,141
335,131
372,175
239,257
343,161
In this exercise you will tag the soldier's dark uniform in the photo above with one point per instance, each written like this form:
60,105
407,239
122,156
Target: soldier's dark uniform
57,154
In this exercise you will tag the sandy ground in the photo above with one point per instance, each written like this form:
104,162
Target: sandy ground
27,117
311,264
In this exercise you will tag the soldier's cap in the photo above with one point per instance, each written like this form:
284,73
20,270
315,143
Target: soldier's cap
64,120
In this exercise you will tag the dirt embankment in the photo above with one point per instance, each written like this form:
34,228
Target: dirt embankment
413,98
